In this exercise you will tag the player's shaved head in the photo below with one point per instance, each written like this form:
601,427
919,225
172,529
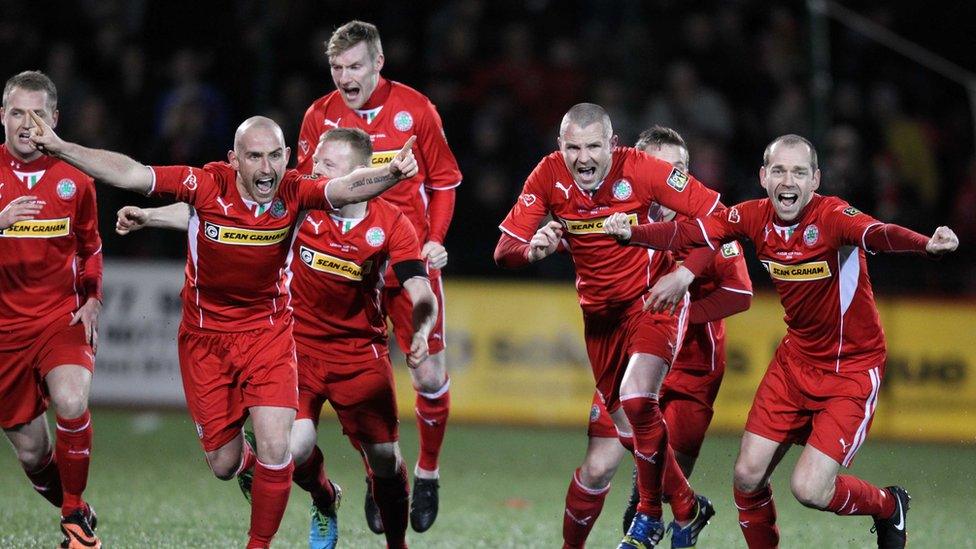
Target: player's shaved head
257,123
790,140
585,114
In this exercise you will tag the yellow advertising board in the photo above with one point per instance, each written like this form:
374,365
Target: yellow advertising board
516,355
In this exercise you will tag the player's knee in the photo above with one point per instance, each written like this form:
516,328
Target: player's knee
273,451
223,468
69,403
300,449
597,473
809,491
747,477
33,456
383,459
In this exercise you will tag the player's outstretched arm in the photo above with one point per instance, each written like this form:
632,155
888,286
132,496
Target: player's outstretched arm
108,167
424,317
174,216
365,183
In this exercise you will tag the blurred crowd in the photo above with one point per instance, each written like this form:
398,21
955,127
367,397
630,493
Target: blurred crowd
167,82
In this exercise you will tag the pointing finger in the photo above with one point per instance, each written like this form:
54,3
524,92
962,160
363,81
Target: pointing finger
406,147
37,121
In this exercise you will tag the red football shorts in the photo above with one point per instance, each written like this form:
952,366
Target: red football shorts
612,337
24,364
224,374
362,394
601,424
687,396
803,404
398,306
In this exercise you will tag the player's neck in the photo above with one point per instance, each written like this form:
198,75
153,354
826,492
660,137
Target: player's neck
356,210
33,157
379,95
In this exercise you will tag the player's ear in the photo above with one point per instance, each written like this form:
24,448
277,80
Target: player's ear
232,159
287,154
54,118
816,179
762,176
614,140
378,62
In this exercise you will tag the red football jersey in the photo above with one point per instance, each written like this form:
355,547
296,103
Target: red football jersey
607,274
236,268
820,272
703,348
406,112
51,264
338,275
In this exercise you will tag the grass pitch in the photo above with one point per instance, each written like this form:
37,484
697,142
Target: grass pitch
501,487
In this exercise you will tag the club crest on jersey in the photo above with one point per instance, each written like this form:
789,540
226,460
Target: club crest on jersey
528,199
730,249
734,215
403,121
622,189
278,209
851,211
811,235
678,180
594,413
375,237
66,189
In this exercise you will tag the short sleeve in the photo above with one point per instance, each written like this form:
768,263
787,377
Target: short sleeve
731,272
847,224
671,187
183,183
403,244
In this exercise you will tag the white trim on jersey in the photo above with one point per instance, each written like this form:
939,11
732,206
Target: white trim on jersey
736,290
864,235
630,396
446,188
511,234
711,339
286,273
74,280
715,205
192,233
152,185
704,233
849,265
869,405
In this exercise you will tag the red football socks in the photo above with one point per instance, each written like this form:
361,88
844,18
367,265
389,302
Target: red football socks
269,496
392,497
650,449
47,480
853,496
73,454
678,489
311,477
757,517
583,506
432,410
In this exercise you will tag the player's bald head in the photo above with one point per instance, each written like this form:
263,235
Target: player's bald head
586,114
257,124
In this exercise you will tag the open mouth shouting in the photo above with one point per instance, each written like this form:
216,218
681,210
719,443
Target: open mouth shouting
352,93
787,200
264,185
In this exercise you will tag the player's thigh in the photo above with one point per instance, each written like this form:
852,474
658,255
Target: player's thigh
399,307
644,375
272,430
841,426
757,459
31,441
211,384
812,481
365,401
23,397
600,423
